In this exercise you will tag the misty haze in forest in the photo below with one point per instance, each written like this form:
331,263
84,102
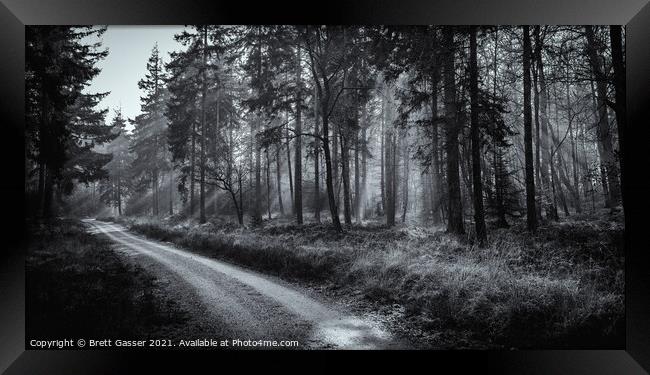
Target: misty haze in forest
468,179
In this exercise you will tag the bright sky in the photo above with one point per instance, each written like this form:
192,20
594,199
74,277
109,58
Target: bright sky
129,47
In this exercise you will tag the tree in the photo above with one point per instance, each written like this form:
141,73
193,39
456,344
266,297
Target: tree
117,185
317,136
455,221
204,94
197,79
62,123
297,206
227,173
398,53
605,147
328,61
182,115
149,133
615,32
389,157
266,59
531,214
479,219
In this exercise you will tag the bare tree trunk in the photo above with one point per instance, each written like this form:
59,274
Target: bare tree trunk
357,186
257,209
528,139
204,93
278,174
601,152
615,32
154,189
499,176
563,175
251,170
465,163
405,182
289,165
556,150
344,134
171,193
240,211
539,182
213,147
257,206
240,215
297,206
455,221
192,170
335,163
499,173
443,182
394,169
477,183
551,207
119,196
364,168
389,159
316,161
436,196
345,161
328,173
426,188
574,158
608,158
382,181
268,182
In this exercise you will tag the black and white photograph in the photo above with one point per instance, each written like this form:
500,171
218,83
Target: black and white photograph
290,187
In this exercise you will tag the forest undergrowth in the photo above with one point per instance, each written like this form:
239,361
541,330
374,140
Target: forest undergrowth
78,286
560,287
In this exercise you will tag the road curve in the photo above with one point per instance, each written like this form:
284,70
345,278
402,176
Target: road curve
245,304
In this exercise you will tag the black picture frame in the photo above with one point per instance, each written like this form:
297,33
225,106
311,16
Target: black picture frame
634,14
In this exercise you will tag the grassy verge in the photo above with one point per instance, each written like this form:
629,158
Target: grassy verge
77,286
562,287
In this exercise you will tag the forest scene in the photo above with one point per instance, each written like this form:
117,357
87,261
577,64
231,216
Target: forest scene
339,187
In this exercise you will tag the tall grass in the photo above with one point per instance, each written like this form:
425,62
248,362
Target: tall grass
77,286
561,287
